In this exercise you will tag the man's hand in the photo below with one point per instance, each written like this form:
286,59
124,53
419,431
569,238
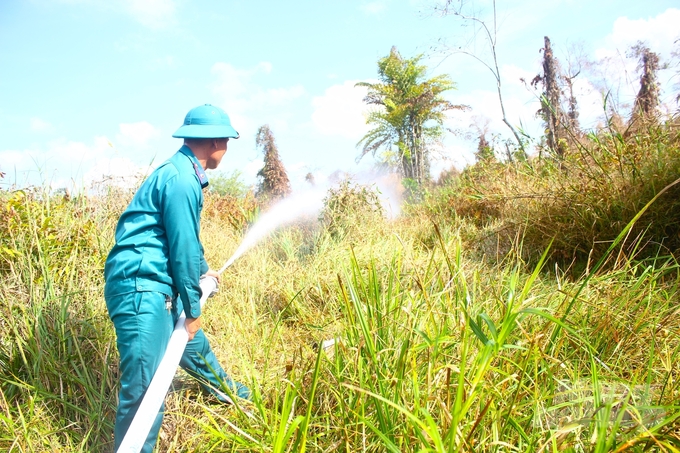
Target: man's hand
212,273
192,325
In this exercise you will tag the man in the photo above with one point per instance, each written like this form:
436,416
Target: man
153,271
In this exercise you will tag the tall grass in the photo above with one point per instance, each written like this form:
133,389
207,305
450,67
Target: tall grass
435,352
435,349
57,352
578,204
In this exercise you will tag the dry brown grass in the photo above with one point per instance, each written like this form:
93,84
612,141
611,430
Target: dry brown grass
580,204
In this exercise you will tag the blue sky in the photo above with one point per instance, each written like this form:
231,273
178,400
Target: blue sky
91,88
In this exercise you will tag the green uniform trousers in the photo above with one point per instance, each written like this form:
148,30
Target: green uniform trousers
144,324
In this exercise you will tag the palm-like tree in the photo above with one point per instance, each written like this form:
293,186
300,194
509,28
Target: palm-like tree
411,114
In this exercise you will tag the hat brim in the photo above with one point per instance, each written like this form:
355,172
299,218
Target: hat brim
206,131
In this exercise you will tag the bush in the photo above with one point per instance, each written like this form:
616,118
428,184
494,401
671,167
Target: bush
581,203
237,212
56,344
350,208
228,184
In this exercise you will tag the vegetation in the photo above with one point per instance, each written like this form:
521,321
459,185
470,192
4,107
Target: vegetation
274,183
551,110
578,205
446,337
647,99
228,184
410,114
488,31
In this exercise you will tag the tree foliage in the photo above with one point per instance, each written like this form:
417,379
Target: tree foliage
274,181
410,116
228,184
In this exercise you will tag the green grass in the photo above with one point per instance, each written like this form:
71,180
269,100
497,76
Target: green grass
439,353
438,350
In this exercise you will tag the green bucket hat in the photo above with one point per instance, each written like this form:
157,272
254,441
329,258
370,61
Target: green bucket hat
206,121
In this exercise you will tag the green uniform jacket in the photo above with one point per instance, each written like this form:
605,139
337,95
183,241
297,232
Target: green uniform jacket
157,238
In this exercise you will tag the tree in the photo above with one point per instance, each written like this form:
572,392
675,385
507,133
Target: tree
551,107
550,101
491,35
228,184
411,114
647,99
274,183
484,151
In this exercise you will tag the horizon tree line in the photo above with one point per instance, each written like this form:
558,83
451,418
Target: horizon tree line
410,110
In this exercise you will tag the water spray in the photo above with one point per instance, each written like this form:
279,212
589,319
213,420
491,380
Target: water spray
282,213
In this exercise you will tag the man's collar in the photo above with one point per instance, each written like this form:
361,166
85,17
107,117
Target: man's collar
200,173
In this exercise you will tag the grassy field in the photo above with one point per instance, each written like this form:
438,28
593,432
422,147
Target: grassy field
463,325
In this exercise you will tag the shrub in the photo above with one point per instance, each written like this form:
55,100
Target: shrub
237,212
579,204
228,184
350,207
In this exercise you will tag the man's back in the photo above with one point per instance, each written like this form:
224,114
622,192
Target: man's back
157,235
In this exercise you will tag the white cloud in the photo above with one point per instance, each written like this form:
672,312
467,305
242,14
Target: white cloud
520,109
265,66
62,162
11,158
240,92
512,75
118,171
252,167
137,134
659,32
297,167
232,82
278,96
153,14
279,125
341,111
616,72
590,103
39,125
375,7
75,153
457,155
248,103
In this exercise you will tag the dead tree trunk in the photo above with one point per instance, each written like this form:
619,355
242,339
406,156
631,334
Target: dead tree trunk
274,183
647,99
550,102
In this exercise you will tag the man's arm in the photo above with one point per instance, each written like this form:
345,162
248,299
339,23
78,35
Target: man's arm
180,200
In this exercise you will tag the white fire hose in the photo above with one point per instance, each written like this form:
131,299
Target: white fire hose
153,398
